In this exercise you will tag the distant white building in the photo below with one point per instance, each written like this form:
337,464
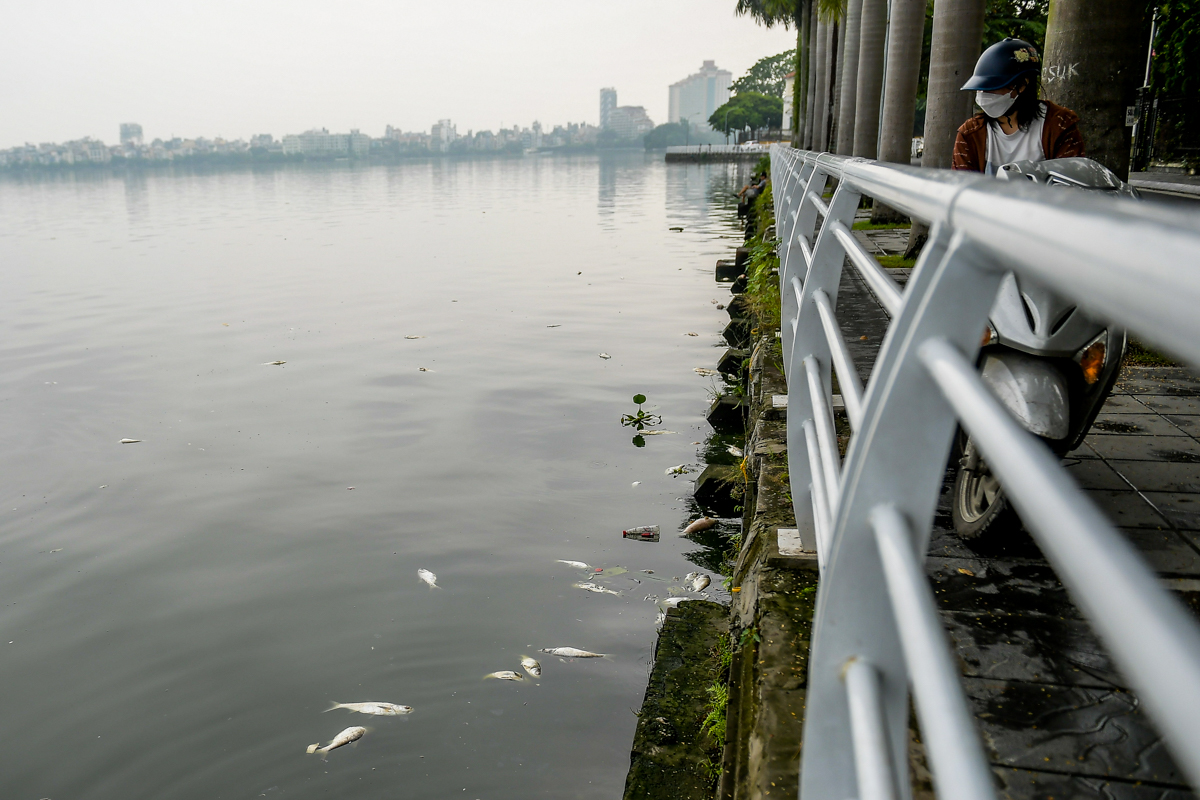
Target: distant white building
697,96
629,122
323,143
608,103
442,134
789,91
131,133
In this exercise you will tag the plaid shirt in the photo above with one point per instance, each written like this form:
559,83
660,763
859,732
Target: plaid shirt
1060,138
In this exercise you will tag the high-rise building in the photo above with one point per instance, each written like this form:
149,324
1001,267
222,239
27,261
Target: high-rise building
131,133
629,122
442,134
608,103
697,96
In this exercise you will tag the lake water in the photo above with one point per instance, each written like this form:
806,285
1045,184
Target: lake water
177,614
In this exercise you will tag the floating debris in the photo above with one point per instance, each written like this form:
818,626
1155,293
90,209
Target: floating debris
274,363
702,524
570,652
700,583
414,337
605,356
690,333
591,587
424,369
678,469
644,533
720,306
56,550
647,571
965,571
504,675
554,326
428,577
344,738
655,432
676,229
636,484
575,564
105,486
531,666
377,709
735,451
129,441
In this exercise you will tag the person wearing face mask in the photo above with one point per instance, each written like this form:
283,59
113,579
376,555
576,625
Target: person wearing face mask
1015,125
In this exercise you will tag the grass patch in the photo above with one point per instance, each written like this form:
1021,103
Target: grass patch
867,225
895,262
1142,355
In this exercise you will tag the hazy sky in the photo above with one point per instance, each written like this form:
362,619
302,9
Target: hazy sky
233,69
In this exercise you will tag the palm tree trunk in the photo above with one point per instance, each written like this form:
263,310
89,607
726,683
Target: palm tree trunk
839,44
872,30
903,74
849,79
957,39
811,78
799,84
1091,67
821,82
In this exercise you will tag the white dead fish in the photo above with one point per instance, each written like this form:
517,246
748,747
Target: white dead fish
344,738
660,619
702,524
428,577
691,576
571,652
591,587
735,451
636,484
378,709
673,602
274,363
129,441
531,666
575,564
414,337
504,675
655,432
605,355
678,469
699,584
705,372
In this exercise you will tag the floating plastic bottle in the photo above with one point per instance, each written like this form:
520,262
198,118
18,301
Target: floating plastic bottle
645,533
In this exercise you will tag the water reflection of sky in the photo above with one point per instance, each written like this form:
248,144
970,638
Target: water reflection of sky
198,613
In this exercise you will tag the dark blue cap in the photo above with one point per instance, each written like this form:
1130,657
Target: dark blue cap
1003,64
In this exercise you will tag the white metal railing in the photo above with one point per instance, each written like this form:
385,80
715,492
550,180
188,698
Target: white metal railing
717,149
876,632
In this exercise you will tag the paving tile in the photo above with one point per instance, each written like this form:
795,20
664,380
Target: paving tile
1093,473
1070,729
1165,404
1166,551
1123,404
1146,424
1189,423
1159,476
1158,380
1126,509
1030,647
1182,509
1023,784
1083,451
1001,587
1177,449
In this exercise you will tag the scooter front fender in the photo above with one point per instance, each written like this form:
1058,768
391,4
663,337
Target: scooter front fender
1032,389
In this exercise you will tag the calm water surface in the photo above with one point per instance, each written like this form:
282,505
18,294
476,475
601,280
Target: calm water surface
178,613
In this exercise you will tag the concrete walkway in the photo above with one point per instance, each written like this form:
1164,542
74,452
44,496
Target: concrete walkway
1166,183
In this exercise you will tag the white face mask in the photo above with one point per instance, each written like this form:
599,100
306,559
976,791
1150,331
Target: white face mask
995,105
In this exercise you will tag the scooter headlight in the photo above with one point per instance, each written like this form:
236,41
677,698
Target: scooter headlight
1092,357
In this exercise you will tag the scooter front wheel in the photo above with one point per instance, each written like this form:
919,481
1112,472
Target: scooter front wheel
980,505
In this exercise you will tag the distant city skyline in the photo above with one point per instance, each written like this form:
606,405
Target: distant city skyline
184,70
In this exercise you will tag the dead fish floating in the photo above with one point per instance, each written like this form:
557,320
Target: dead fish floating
575,564
673,602
531,666
678,469
702,524
701,582
341,740
705,372
599,590
428,577
129,441
504,675
571,652
735,451
414,337
605,356
656,432
274,363
376,709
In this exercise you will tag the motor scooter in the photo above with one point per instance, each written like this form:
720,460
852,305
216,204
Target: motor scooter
1046,360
